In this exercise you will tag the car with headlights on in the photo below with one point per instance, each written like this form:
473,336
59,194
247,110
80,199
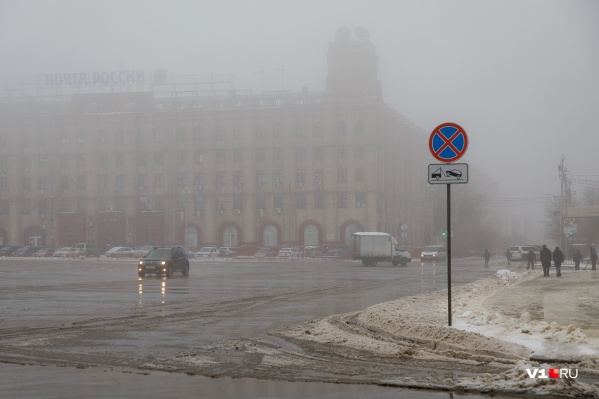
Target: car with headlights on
164,261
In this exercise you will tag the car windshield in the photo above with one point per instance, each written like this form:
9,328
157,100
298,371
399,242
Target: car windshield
432,248
205,249
159,253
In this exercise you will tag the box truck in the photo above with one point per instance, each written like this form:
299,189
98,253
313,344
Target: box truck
373,247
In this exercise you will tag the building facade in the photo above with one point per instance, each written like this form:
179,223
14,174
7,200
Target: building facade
132,158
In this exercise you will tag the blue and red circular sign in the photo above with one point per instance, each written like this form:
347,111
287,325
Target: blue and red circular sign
448,142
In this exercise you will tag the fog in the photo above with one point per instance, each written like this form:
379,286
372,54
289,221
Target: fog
519,76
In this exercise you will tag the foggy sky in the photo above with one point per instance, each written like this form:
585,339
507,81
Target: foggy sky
520,76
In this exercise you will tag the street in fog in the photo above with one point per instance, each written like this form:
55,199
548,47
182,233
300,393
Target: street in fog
99,314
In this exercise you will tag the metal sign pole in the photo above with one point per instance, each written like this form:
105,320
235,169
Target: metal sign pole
449,255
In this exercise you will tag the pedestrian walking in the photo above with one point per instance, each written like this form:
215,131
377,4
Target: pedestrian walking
545,258
593,257
487,256
508,256
577,258
558,258
531,257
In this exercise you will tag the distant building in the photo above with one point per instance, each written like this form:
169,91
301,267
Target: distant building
136,158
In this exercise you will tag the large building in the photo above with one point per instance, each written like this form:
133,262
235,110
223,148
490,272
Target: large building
136,158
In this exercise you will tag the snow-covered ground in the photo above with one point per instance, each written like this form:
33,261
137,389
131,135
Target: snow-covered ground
416,328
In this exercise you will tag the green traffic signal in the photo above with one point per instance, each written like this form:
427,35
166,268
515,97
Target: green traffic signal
444,234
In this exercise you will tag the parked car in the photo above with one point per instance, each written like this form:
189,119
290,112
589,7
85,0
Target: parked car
207,252
121,252
519,251
165,261
25,251
8,250
44,252
227,251
265,252
66,252
337,253
144,250
310,251
289,252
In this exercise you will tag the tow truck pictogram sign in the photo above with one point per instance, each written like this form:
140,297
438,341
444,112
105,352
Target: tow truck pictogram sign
448,173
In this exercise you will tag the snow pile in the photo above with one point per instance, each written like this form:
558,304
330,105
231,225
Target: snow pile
416,328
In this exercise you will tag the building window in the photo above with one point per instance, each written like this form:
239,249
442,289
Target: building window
277,178
238,155
260,201
260,178
120,160
181,180
360,200
318,176
342,175
318,129
25,207
238,178
64,161
158,182
300,154
318,154
198,157
360,152
119,136
277,130
360,175
141,181
220,132
238,201
341,154
220,179
260,154
300,129
278,201
277,154
220,155
198,203
64,183
103,161
3,183
359,128
300,177
341,200
4,204
118,182
237,132
42,183
182,157
43,161
80,137
159,135
197,134
341,128
181,135
318,200
81,182
80,161
300,200
141,159
259,131
102,137
102,182
26,183
198,182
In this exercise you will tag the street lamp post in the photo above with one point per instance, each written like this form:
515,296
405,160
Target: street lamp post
185,196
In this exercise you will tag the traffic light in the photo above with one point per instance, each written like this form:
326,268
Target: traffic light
443,233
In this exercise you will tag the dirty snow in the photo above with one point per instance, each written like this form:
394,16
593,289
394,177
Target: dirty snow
417,328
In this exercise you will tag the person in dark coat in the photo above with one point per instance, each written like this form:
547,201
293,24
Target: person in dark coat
487,256
508,255
593,257
577,258
558,258
545,260
531,257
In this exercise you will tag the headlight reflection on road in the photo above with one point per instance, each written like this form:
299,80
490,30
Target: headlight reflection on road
140,292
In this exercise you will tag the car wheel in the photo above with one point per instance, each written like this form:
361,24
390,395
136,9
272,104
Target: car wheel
141,274
169,271
186,270
404,262
394,262
365,262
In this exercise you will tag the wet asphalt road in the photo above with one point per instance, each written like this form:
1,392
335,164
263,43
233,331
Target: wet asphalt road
123,321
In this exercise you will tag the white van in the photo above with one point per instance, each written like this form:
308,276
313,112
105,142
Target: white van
433,253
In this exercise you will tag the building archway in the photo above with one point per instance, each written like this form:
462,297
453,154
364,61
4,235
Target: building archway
310,233
347,229
230,235
270,236
34,237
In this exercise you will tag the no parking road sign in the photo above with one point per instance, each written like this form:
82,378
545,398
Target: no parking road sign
448,142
